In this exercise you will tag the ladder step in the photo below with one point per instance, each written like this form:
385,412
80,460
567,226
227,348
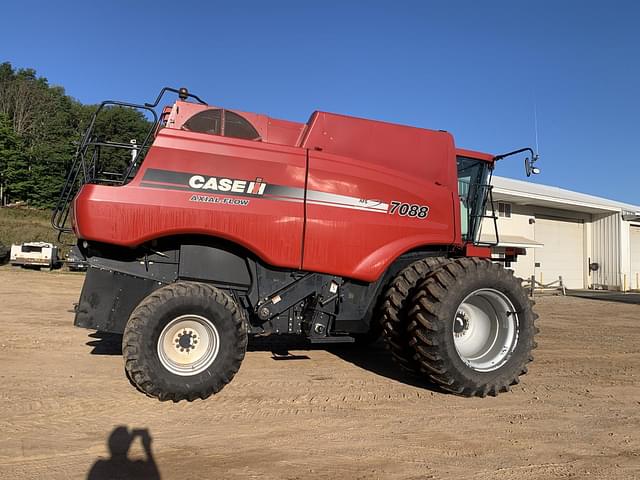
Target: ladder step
344,339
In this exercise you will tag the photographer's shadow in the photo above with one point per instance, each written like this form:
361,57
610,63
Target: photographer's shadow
119,466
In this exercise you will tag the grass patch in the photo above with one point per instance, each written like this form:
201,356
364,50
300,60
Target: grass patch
19,225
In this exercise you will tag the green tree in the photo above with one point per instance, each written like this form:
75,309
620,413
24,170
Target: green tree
45,122
14,168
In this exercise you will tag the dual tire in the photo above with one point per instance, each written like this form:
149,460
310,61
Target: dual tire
395,306
467,324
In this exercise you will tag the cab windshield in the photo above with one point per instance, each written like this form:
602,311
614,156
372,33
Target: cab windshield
472,189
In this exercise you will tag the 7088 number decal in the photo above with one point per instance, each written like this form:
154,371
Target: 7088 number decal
408,210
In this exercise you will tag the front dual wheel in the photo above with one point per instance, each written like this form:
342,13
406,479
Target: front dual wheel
471,327
184,341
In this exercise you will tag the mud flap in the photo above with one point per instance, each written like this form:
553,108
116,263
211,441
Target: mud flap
108,298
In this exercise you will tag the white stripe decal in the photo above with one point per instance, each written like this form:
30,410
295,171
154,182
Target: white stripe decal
345,201
350,207
315,197
280,198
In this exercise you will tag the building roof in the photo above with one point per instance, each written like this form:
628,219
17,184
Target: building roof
530,193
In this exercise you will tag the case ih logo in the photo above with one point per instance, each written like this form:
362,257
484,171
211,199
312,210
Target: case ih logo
218,184
171,180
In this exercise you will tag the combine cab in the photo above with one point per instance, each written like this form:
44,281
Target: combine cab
223,224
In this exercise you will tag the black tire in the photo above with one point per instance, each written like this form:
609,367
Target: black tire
394,307
140,349
436,304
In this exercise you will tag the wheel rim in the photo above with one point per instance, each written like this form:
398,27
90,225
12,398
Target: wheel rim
485,329
188,345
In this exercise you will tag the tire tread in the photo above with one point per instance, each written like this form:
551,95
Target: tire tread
137,367
392,314
428,338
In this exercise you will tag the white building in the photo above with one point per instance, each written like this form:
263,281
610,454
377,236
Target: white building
590,242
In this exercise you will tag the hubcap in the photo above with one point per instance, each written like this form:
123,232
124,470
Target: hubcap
485,329
188,345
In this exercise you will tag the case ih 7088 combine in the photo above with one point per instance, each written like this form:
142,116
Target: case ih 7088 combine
226,224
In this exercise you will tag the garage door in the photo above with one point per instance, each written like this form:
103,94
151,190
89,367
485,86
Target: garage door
562,253
635,256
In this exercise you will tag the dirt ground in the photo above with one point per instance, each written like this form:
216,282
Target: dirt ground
339,413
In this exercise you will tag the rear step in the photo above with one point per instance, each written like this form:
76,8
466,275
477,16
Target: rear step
341,339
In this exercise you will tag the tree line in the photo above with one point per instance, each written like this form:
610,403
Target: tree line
40,126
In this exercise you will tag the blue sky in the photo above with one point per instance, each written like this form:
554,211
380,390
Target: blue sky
476,69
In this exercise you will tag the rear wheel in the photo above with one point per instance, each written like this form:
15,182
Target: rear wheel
184,341
472,327
394,308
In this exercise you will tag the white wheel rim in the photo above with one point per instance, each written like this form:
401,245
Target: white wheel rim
485,329
188,345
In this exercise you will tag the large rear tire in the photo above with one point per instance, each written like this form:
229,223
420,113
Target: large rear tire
184,341
394,307
471,326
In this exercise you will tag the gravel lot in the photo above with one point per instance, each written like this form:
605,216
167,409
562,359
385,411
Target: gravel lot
339,413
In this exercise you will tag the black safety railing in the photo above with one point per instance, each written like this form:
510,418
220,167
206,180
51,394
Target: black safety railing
88,165
487,200
479,198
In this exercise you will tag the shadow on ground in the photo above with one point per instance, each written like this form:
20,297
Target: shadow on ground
373,357
119,465
105,343
632,298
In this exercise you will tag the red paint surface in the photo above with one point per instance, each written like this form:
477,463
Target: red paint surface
271,130
471,250
473,154
348,156
362,244
131,214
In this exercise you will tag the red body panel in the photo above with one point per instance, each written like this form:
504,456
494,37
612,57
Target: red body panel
132,214
487,157
359,243
319,197
271,130
376,161
426,154
471,250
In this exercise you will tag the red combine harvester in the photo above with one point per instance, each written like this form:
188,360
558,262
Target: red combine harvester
226,224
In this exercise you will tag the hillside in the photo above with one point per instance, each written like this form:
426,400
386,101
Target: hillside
18,225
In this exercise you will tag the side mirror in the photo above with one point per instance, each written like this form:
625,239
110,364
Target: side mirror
529,167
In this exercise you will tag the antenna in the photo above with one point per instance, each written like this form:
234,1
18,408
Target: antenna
535,125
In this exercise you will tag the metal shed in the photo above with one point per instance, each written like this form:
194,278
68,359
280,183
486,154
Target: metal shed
591,242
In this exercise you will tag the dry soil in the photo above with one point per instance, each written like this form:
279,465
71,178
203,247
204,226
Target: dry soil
338,413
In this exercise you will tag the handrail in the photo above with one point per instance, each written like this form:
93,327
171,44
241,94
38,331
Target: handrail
85,170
